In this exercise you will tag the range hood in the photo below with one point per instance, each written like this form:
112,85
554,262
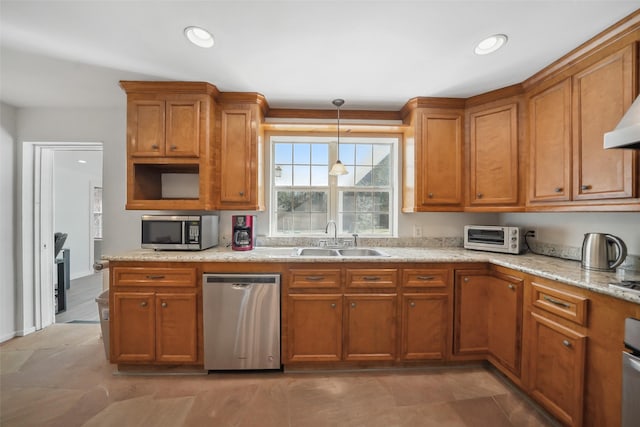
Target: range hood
627,133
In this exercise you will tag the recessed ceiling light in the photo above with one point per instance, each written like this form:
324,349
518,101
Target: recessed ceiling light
491,44
199,36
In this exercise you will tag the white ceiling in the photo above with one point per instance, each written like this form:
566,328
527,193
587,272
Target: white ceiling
299,54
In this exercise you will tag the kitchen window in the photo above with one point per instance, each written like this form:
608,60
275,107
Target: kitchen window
304,197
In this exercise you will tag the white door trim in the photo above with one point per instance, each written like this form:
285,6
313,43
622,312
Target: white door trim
35,302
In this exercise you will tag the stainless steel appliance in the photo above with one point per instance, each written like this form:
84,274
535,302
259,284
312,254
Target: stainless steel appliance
602,252
241,314
627,133
632,286
179,232
494,238
244,232
631,373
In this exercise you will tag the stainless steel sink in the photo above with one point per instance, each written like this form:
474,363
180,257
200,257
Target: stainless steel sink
347,252
316,252
361,252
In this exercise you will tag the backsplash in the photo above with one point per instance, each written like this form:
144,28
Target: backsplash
408,242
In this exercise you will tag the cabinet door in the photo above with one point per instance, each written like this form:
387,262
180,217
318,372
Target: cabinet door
146,128
471,312
550,138
494,156
176,328
425,326
370,325
505,321
183,128
237,157
557,368
602,94
440,162
314,328
133,332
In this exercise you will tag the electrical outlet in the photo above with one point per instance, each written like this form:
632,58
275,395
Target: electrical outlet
417,230
531,233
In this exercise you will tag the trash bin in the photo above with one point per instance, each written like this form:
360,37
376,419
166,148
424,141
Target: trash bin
103,312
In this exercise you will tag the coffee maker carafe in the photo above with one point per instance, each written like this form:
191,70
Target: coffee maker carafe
243,235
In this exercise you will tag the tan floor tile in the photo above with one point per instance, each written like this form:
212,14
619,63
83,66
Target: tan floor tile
143,411
12,361
35,406
480,412
521,413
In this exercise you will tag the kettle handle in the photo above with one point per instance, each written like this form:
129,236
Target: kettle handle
622,250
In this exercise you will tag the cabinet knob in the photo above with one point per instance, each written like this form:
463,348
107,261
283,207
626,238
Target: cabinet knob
241,193
566,343
353,305
430,195
333,305
479,195
558,189
173,147
585,187
511,286
164,304
154,146
466,279
143,304
412,304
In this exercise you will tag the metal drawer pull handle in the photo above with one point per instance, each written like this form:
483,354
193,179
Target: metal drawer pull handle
164,304
314,278
371,278
426,277
566,343
143,304
556,302
155,277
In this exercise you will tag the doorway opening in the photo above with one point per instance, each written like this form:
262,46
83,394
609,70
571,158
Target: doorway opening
60,181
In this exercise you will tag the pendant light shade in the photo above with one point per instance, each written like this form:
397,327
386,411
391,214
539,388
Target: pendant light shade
338,168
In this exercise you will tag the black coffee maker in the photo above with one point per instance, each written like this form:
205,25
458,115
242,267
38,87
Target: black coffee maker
244,232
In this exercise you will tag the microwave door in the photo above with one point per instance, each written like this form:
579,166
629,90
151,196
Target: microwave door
162,234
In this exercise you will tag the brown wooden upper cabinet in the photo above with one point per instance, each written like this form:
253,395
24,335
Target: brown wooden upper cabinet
169,145
568,165
433,157
602,94
240,152
493,155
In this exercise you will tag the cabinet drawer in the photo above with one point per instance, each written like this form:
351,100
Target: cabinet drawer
427,278
308,278
150,276
372,278
568,306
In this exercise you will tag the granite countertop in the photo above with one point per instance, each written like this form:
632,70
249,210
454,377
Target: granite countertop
565,271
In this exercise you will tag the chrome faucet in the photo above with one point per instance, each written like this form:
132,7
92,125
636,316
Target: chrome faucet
335,230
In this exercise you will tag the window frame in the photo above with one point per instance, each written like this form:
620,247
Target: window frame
333,208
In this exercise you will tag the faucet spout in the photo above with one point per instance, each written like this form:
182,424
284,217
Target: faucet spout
335,229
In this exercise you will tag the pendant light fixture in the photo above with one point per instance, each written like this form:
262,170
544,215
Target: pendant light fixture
338,168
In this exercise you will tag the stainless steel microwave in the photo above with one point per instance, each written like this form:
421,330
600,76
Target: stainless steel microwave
494,238
179,232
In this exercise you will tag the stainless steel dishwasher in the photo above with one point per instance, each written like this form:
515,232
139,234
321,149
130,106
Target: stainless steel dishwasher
241,316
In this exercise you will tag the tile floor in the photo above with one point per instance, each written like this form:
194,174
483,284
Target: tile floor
59,377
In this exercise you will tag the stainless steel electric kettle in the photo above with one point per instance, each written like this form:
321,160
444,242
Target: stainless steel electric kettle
602,252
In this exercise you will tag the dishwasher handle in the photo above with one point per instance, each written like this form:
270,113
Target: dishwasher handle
241,286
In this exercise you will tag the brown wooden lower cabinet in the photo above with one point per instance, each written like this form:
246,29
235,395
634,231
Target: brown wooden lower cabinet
314,328
425,326
155,327
556,368
370,327
505,321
